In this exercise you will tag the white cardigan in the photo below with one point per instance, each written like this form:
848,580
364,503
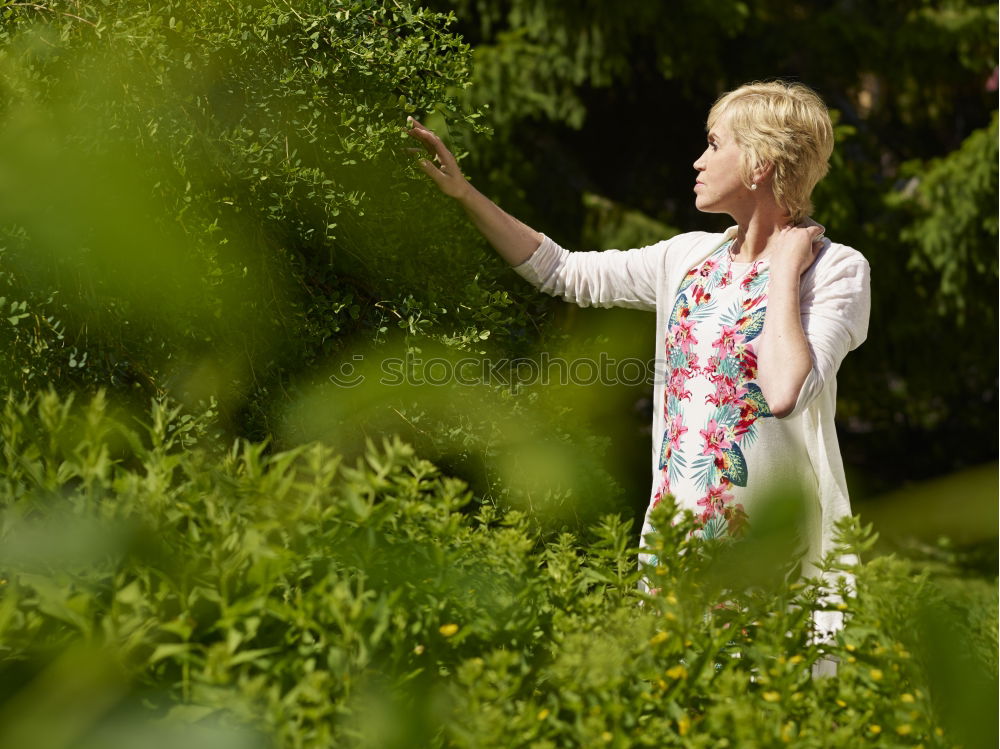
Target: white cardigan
835,301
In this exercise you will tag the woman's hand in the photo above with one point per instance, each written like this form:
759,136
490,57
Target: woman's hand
515,241
796,248
444,168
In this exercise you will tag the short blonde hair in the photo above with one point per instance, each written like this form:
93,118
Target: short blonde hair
783,124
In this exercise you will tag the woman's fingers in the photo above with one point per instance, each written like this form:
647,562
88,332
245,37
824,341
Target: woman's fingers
442,166
433,172
432,144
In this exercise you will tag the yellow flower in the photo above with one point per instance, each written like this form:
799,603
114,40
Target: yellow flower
842,606
677,672
841,703
851,659
876,674
419,649
658,638
788,732
607,737
671,599
850,648
875,729
543,713
683,726
796,659
448,629
939,731
771,696
906,697
904,729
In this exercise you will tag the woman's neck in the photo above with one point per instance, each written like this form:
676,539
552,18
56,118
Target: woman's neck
754,234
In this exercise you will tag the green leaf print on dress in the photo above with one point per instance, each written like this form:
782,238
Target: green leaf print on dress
753,325
755,398
735,468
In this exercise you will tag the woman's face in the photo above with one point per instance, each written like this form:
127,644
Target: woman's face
718,187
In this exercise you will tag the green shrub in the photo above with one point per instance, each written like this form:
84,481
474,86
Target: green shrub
213,199
216,594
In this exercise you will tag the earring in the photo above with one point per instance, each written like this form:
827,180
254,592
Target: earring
753,186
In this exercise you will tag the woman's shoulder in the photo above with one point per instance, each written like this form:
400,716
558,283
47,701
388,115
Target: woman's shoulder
836,260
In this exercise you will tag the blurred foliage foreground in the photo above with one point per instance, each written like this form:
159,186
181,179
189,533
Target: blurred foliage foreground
211,201
161,590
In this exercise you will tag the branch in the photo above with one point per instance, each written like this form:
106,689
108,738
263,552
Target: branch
36,6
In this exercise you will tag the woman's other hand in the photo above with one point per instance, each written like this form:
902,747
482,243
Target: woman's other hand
442,166
796,248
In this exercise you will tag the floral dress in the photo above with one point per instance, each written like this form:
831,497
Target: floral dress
721,447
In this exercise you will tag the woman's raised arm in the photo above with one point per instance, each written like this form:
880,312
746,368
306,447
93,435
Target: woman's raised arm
514,240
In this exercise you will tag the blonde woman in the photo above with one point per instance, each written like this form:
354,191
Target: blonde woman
752,324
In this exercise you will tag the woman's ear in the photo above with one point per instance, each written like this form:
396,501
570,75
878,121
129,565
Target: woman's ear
762,173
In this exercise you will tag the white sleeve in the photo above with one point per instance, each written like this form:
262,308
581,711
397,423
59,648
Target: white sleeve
835,306
611,278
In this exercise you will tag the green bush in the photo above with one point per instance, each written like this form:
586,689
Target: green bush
178,588
214,200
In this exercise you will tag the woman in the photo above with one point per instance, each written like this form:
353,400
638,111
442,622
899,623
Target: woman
752,324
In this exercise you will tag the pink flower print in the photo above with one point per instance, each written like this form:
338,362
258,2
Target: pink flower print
678,379
715,500
715,440
726,278
711,366
750,302
706,268
683,335
700,295
743,426
677,430
728,339
750,277
727,391
662,491
748,363
748,415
